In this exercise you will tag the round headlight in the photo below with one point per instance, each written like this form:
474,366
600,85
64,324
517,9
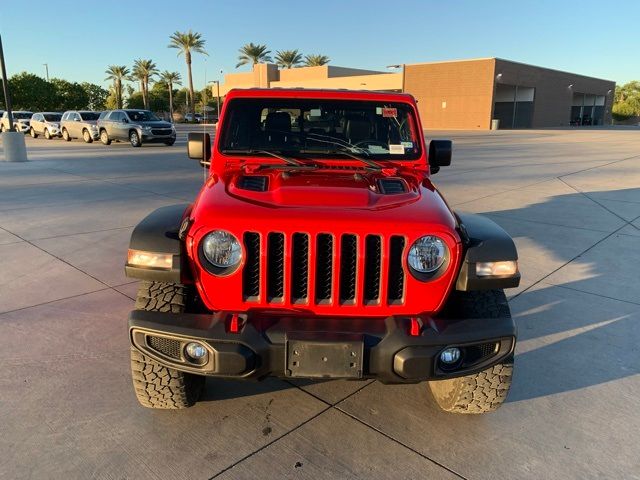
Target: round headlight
427,254
222,249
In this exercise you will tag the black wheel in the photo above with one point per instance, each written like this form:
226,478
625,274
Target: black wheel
33,133
86,136
134,138
2,129
104,137
484,391
170,142
47,134
66,135
155,385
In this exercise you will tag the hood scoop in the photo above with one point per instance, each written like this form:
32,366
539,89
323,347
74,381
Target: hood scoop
255,183
392,186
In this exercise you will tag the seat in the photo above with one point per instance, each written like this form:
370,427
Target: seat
277,126
357,129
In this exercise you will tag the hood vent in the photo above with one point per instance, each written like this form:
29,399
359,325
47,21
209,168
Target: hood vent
391,186
254,183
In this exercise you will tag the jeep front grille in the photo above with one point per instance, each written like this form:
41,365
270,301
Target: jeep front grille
323,269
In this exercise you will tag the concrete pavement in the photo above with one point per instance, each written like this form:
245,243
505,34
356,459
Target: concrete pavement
570,198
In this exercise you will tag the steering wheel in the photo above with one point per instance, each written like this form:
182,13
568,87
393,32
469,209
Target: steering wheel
364,143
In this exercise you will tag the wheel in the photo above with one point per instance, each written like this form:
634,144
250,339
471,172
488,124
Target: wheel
2,129
47,134
484,391
66,135
134,138
86,136
104,137
155,385
33,133
170,142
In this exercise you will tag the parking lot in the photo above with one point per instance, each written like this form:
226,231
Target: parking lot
571,200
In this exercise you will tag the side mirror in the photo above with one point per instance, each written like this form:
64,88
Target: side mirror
199,147
439,154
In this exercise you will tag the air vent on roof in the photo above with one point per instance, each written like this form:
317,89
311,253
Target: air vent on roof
254,183
391,186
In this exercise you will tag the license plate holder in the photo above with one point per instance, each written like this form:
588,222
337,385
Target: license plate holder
320,355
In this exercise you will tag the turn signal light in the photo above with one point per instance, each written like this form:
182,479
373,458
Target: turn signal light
491,269
140,258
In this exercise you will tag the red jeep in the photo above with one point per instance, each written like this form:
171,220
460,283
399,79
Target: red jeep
319,248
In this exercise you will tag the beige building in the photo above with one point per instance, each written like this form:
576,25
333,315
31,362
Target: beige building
464,94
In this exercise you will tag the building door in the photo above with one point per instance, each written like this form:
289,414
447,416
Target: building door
514,106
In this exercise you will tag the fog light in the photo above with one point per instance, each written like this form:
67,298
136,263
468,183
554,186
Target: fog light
490,269
450,355
196,350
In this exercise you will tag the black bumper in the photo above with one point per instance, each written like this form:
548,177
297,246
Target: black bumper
151,138
382,349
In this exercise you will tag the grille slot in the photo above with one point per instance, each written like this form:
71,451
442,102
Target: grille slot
372,266
161,131
254,183
395,290
476,353
165,346
324,267
299,268
391,186
348,268
275,267
251,271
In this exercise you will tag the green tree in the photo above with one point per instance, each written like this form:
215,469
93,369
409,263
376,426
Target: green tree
626,100
144,71
314,60
170,79
31,92
118,74
288,58
96,94
186,43
253,54
69,95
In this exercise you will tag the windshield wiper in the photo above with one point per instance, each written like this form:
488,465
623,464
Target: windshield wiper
289,161
345,151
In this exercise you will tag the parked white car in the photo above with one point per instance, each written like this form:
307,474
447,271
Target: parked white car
21,121
45,123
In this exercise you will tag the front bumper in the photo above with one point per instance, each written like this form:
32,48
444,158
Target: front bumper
149,137
317,347
21,127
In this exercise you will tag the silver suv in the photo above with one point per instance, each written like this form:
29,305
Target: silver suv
45,123
136,126
21,120
80,124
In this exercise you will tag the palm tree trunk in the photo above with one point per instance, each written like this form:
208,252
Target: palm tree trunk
171,102
119,93
191,99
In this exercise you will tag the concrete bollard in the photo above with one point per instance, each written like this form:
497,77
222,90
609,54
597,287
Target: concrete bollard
15,148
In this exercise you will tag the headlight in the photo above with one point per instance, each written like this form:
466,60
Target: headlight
93,127
222,249
427,254
146,128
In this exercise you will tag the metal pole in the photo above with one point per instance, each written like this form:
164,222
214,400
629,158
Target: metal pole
218,97
46,66
5,87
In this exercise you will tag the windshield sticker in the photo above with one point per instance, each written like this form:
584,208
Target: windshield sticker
315,112
378,110
396,149
407,144
390,112
376,149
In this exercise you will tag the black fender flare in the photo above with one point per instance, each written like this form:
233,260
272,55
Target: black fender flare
485,241
159,232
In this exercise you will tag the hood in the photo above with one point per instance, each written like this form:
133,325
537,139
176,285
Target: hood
322,196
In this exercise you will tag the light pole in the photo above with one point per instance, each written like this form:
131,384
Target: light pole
217,82
46,67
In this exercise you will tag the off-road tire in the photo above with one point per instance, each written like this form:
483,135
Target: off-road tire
104,137
484,391
33,133
86,136
155,385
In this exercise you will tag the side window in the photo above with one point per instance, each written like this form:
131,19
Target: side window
64,116
76,117
36,117
115,116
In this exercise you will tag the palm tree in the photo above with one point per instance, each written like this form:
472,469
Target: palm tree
171,79
117,74
288,58
253,54
143,71
186,43
315,60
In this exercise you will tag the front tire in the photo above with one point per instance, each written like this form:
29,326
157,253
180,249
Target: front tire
155,385
169,143
86,136
134,138
33,133
484,391
104,137
47,134
65,135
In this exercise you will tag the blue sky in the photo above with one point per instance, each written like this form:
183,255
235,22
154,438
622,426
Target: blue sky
78,39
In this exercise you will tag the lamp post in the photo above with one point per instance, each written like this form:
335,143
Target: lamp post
46,68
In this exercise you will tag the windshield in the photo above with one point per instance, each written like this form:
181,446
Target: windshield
142,116
89,116
379,130
52,117
22,115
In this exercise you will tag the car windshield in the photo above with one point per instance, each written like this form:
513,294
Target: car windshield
89,116
52,117
321,128
22,115
142,116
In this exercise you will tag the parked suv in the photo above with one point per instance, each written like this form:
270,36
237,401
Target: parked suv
80,124
21,120
45,123
319,247
136,126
